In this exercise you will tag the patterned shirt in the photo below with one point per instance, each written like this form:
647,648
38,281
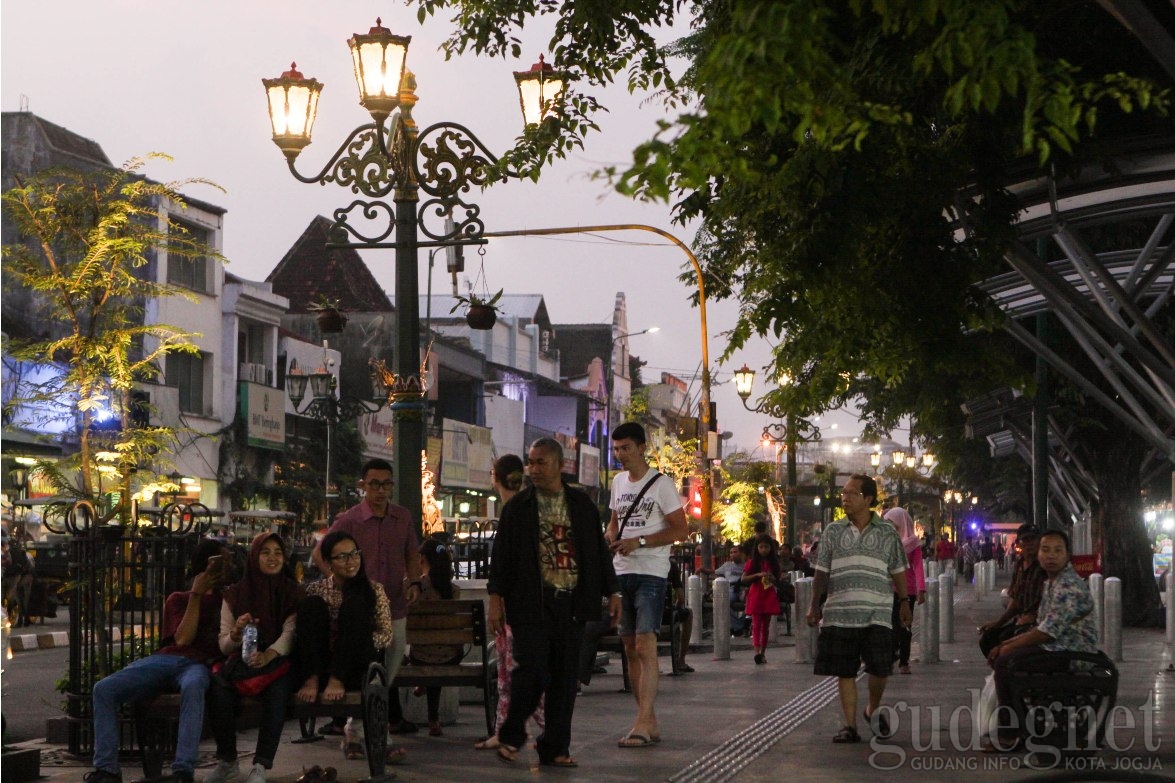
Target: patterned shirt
1066,614
381,630
861,565
556,549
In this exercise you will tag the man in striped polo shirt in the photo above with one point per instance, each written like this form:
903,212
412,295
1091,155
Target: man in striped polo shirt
860,566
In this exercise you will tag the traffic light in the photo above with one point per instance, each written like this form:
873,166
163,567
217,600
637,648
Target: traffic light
695,500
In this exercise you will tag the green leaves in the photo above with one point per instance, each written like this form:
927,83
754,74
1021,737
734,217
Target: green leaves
78,279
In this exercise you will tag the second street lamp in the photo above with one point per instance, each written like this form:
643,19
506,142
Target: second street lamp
390,157
789,434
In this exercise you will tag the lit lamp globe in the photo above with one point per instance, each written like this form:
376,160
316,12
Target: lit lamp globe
744,381
379,57
293,106
539,89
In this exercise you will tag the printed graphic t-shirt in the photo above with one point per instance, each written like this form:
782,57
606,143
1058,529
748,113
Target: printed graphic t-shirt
647,519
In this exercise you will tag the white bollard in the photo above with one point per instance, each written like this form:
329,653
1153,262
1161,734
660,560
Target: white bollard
930,567
1097,591
693,599
946,609
1171,607
980,582
803,633
1113,619
721,619
928,627
991,569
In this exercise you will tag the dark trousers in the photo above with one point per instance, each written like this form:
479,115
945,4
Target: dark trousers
222,713
1003,685
353,650
546,660
902,636
989,639
592,633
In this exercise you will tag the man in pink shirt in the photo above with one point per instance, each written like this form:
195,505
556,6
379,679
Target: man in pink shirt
386,534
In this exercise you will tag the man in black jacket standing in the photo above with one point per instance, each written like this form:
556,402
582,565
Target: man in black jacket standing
549,570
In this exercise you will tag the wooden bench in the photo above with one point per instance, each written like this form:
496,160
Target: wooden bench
1062,699
155,722
454,622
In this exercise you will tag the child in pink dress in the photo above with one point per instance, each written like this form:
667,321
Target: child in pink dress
762,573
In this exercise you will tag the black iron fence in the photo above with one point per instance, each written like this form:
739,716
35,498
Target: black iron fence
118,580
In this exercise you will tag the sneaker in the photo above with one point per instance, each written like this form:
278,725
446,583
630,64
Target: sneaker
256,774
102,776
225,772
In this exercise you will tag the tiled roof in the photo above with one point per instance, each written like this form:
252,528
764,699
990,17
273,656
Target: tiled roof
310,270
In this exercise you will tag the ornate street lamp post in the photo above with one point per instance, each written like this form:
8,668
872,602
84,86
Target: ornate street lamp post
390,158
788,433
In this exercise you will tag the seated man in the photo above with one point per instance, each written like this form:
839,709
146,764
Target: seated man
1064,623
191,625
732,572
1024,593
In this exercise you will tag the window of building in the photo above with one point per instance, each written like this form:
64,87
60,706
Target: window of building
190,272
185,371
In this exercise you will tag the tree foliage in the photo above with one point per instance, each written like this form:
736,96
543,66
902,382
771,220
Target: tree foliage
86,240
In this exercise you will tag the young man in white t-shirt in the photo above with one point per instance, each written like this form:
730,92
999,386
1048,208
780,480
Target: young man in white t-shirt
641,543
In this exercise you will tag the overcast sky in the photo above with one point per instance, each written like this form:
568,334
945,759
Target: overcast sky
185,79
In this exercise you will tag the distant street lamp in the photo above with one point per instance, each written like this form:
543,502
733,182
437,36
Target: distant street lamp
791,432
390,159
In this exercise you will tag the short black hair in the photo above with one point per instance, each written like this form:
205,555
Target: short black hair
868,487
630,430
375,463
1061,534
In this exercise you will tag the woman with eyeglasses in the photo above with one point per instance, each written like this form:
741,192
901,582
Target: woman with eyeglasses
344,624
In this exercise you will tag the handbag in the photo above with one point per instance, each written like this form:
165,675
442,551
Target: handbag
247,680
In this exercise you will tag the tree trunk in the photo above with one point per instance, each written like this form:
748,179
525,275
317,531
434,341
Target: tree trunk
1116,462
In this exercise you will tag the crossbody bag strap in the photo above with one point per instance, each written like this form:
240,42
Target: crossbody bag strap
636,500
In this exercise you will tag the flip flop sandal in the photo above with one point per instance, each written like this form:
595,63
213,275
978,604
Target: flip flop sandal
565,762
635,741
507,754
489,743
396,755
353,751
846,735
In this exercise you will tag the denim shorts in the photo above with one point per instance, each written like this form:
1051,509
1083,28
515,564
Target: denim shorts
642,603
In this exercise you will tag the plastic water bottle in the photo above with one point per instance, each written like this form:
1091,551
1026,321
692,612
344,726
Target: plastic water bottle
249,642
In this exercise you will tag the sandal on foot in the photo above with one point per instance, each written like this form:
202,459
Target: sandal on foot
880,726
635,741
846,735
507,754
489,743
395,755
685,668
566,762
354,751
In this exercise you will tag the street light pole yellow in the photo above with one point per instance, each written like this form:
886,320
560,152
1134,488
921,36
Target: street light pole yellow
704,435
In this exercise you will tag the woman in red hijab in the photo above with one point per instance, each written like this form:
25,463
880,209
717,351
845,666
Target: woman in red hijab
266,597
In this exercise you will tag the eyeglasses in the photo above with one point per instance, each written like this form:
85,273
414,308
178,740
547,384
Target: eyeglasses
343,557
844,494
378,485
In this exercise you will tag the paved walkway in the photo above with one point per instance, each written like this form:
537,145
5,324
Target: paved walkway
734,721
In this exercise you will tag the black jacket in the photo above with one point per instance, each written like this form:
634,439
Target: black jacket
514,568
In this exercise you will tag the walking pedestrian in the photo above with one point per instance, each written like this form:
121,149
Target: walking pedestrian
859,559
915,583
549,571
762,574
647,518
506,475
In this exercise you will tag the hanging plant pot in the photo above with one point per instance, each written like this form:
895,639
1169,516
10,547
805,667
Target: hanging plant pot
481,316
330,321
